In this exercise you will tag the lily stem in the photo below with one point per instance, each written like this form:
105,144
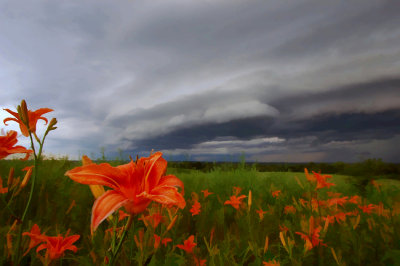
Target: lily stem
35,171
126,229
7,205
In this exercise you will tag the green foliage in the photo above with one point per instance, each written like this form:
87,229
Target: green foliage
238,235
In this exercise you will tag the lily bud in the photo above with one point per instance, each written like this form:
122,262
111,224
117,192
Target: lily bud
28,175
10,177
171,224
249,200
52,124
266,244
23,113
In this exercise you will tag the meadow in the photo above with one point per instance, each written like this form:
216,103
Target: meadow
224,235
224,215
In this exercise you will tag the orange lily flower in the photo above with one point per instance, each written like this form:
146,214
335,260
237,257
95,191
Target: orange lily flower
33,117
154,220
206,193
341,217
337,201
316,204
116,230
329,218
7,147
367,208
276,193
309,177
122,215
321,180
188,244
200,262
236,190
165,241
235,201
261,213
57,245
303,202
133,186
289,209
36,237
283,228
355,199
312,239
195,210
157,240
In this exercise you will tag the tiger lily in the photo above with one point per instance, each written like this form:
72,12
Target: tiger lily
206,193
188,244
235,201
133,186
33,117
57,245
7,147
311,239
195,210
36,237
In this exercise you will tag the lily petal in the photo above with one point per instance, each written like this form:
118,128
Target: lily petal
68,241
157,169
93,174
171,180
105,205
165,195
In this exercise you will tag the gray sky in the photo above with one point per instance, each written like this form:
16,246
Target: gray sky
284,81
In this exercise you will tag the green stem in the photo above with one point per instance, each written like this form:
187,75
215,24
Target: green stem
7,207
131,252
17,254
126,229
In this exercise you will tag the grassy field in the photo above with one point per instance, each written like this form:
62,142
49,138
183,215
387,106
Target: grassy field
300,225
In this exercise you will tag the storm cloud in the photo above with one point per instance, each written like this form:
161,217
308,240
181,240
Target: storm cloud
277,80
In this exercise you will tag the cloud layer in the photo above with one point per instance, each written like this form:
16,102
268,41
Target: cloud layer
280,81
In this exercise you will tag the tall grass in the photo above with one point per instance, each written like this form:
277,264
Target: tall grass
239,236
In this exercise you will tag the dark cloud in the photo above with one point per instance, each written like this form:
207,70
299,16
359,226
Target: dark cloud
362,113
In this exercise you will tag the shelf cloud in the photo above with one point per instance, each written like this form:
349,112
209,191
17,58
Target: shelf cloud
275,80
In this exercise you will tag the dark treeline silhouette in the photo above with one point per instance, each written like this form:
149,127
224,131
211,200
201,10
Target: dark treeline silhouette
371,168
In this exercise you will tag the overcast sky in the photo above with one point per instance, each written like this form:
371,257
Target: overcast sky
281,81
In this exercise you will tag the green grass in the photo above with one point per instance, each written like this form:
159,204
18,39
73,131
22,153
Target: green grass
239,234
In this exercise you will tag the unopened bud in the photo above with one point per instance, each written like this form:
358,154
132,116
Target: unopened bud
52,124
9,244
171,224
266,244
28,175
23,113
249,200
10,177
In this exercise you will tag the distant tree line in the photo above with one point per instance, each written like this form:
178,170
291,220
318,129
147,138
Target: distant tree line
370,168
